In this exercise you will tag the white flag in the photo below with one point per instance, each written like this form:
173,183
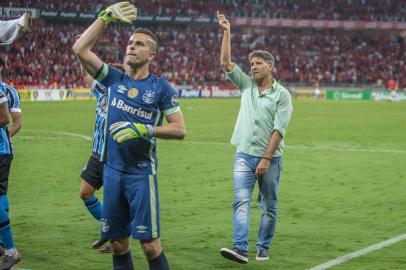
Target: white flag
10,30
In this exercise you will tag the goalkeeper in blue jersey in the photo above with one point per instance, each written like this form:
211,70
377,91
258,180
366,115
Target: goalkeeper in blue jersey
92,173
9,106
138,101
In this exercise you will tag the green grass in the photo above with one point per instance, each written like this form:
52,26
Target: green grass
335,196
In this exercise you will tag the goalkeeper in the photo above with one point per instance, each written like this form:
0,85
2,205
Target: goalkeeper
138,101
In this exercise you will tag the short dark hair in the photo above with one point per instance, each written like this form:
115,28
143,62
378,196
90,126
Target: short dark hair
2,63
267,56
148,33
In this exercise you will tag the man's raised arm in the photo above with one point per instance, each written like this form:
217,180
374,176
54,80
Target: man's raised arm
225,56
122,12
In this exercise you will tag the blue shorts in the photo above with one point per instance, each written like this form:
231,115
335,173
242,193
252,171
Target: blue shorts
131,205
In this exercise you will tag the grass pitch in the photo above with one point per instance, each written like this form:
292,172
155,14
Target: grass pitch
342,188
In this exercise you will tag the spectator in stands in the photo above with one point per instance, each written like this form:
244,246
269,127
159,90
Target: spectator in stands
392,87
305,56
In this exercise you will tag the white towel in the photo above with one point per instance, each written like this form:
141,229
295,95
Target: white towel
10,30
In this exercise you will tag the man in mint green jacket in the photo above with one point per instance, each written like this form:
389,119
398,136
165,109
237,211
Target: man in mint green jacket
265,111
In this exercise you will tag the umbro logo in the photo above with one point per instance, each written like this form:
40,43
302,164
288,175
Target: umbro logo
141,229
122,89
104,224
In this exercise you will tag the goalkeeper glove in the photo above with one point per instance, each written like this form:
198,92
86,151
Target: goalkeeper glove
122,12
124,131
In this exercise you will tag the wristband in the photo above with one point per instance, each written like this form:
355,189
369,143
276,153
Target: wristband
151,130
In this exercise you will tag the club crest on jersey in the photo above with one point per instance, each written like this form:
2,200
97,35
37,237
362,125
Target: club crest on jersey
122,89
132,93
149,97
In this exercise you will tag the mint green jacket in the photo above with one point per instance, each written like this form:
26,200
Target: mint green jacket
260,114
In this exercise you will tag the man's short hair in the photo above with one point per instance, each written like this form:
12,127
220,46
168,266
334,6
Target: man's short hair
150,34
267,56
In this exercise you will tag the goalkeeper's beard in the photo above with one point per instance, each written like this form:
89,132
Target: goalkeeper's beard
137,64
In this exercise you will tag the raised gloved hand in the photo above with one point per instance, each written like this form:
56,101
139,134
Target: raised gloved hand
122,12
124,131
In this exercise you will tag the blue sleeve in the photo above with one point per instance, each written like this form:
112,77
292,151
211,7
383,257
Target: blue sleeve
15,105
108,75
98,89
92,89
168,103
3,98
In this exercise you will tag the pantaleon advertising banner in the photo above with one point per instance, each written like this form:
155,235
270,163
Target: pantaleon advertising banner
42,94
214,92
85,94
207,91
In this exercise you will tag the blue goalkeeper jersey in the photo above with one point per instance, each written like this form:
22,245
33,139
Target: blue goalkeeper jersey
10,95
139,101
99,91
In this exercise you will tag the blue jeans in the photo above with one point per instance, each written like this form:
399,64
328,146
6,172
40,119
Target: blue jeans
244,182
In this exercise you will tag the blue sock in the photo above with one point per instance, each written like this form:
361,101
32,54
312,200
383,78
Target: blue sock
123,262
94,206
159,263
6,234
4,201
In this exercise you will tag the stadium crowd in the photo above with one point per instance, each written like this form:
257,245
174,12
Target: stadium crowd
190,55
367,10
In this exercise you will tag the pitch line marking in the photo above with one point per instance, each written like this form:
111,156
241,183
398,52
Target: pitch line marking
359,253
327,265
304,147
87,138
346,148
47,138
